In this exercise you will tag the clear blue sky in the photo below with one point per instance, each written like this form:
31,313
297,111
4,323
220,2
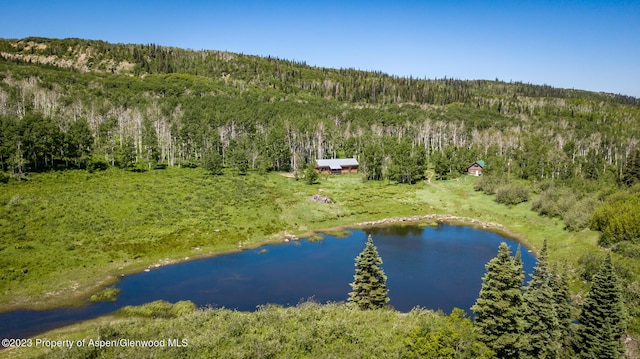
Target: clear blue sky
590,45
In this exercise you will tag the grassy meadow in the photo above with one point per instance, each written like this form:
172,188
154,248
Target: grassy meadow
308,330
74,232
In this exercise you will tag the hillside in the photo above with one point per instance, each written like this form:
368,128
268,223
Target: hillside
142,105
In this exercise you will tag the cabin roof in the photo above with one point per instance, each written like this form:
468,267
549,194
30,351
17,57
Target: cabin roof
480,163
337,163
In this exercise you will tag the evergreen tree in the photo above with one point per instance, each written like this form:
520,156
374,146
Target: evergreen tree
517,258
310,174
541,326
498,309
212,161
370,283
631,171
126,155
603,319
559,283
238,156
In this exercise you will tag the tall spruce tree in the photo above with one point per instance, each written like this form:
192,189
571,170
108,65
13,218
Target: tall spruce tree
603,318
631,171
498,309
517,258
369,287
559,282
541,326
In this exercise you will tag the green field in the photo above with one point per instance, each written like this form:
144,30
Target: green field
74,232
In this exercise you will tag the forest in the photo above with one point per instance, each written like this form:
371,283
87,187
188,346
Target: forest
87,105
75,103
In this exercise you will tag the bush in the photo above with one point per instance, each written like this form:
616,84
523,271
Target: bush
578,216
212,161
183,308
554,202
4,177
97,164
446,337
159,309
618,221
590,264
489,184
512,194
106,295
627,249
310,175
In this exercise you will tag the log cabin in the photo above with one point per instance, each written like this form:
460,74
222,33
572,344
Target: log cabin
476,168
337,166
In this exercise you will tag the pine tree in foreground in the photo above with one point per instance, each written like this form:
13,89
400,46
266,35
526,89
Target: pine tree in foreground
498,309
603,318
369,287
541,326
559,282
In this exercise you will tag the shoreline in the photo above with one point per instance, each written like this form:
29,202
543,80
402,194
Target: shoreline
450,219
80,297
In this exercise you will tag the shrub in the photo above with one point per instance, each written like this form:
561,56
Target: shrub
106,295
618,221
512,194
577,217
445,337
627,249
182,308
554,202
212,161
4,177
159,309
590,264
489,184
97,164
138,169
310,175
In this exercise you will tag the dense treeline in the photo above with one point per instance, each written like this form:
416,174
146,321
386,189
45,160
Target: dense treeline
339,84
536,320
171,107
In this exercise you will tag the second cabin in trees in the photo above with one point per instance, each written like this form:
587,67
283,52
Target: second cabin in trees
476,168
337,166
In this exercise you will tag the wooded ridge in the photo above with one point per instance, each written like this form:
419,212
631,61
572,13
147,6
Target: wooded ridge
72,102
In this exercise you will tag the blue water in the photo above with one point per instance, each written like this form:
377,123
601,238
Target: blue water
433,267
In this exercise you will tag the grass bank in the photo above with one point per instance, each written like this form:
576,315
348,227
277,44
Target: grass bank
65,235
308,330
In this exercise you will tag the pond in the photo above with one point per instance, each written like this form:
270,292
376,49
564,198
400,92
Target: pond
437,267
